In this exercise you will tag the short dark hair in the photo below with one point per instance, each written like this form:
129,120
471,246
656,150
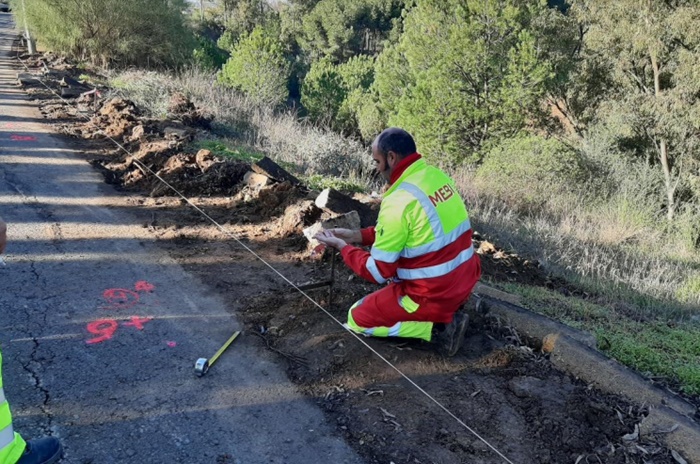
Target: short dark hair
397,140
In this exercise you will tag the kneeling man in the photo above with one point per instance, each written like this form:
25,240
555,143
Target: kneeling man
421,245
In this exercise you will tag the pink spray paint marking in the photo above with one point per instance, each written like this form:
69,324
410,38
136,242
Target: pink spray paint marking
138,322
143,286
120,298
103,328
171,344
22,138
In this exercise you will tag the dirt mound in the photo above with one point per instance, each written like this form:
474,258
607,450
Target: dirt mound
116,118
182,109
255,204
190,174
184,173
121,119
222,178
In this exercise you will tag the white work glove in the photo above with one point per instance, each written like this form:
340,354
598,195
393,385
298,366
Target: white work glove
350,236
327,237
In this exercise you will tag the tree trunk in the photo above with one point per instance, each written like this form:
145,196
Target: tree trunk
668,180
31,45
663,149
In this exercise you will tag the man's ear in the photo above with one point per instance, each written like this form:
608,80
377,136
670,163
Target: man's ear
391,159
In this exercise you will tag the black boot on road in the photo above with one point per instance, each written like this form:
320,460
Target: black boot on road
46,450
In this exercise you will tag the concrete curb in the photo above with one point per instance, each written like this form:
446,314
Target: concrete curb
670,419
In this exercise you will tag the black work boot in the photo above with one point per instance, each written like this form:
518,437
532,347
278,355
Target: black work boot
450,339
46,450
475,305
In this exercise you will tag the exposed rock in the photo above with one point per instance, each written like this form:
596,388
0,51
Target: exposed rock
338,203
274,171
205,159
138,133
177,133
255,180
67,81
176,162
27,80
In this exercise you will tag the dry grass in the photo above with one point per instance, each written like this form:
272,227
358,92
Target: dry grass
599,246
280,135
607,247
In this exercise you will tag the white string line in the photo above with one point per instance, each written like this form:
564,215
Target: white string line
231,235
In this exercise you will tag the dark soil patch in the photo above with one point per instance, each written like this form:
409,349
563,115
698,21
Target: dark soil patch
508,394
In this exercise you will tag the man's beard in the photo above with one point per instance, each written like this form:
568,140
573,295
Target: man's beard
386,174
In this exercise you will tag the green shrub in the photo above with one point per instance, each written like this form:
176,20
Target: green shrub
323,91
112,32
333,94
357,75
258,68
208,56
370,121
227,41
528,171
630,180
464,74
344,28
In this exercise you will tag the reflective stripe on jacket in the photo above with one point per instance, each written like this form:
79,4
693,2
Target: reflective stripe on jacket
11,444
423,238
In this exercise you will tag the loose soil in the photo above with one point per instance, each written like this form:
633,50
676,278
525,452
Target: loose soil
504,390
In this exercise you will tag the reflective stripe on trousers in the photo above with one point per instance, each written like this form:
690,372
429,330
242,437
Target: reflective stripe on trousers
405,329
11,444
7,436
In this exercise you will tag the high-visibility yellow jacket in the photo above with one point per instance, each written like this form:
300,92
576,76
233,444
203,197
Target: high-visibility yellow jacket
11,444
422,241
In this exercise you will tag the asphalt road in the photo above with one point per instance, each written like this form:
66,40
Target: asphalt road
100,329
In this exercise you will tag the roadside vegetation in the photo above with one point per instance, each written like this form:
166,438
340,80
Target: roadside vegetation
572,128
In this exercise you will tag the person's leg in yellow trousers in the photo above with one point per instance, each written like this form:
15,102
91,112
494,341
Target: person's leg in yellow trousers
14,450
11,444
